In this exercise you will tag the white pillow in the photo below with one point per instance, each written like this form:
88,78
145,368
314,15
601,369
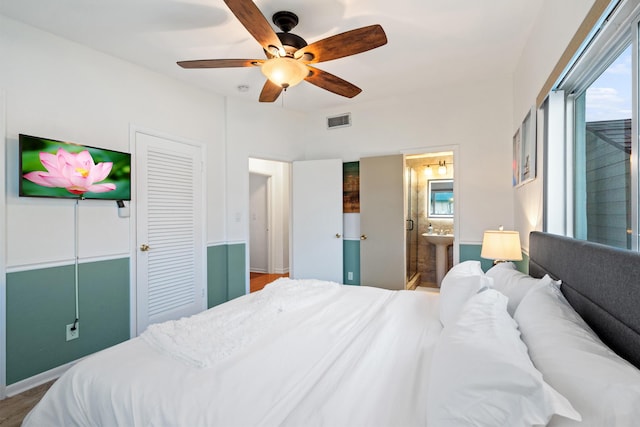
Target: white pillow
513,283
481,374
460,283
465,268
602,386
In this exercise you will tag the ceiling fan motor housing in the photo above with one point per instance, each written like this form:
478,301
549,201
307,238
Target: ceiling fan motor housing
286,21
291,42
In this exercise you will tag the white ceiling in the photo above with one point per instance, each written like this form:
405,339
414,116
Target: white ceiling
431,43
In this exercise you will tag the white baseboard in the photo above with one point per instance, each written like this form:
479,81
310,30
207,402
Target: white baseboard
36,380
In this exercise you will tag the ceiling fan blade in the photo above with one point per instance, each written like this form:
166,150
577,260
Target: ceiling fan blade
344,44
332,83
254,21
270,91
220,63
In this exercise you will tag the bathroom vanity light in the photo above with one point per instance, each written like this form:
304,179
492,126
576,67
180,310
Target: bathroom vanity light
442,168
500,246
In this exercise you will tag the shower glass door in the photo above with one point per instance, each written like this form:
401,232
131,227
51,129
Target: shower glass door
412,222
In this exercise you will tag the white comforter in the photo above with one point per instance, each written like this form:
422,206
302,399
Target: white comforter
297,353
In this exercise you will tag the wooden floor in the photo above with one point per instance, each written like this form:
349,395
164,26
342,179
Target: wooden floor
258,281
15,408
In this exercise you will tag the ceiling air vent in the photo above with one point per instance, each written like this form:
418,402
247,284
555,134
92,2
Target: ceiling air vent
340,121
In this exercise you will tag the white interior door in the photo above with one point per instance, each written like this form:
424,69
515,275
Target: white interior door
382,222
259,223
170,267
317,220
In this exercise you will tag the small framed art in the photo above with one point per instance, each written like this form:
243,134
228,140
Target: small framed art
524,150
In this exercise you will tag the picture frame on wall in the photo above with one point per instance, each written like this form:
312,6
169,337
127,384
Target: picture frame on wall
516,158
525,150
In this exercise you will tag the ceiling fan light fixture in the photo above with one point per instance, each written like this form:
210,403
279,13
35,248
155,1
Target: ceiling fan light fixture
284,71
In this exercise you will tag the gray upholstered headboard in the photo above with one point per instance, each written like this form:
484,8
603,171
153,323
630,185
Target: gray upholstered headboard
602,283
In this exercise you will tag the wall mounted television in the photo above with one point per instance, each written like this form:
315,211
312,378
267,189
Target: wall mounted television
50,168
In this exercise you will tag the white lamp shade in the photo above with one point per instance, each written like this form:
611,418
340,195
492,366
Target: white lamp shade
284,71
501,245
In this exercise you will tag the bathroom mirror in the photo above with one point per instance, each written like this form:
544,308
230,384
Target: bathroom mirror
440,198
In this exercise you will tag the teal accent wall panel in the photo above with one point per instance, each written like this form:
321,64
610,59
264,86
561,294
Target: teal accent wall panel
236,270
472,252
217,275
524,264
104,304
39,305
41,302
226,273
351,262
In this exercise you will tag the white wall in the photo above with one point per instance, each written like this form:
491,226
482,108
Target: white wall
474,116
555,25
61,90
258,130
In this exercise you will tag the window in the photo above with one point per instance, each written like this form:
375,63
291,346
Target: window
600,118
602,153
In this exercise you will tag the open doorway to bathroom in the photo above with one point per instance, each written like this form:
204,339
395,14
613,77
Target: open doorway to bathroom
430,211
269,198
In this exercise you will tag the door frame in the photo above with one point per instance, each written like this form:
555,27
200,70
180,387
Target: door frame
3,270
133,219
270,235
456,189
273,217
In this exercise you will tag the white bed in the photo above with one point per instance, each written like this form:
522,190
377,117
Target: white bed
495,349
297,353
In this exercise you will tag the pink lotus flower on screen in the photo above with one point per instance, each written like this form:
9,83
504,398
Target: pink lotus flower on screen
74,171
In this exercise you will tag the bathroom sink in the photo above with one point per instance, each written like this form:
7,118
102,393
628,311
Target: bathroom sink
441,241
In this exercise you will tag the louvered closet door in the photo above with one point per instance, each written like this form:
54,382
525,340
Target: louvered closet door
170,249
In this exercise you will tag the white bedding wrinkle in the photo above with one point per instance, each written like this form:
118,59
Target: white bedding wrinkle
214,335
325,355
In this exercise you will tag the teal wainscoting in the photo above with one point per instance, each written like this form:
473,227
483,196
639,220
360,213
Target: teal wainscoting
226,273
217,259
472,252
41,302
351,261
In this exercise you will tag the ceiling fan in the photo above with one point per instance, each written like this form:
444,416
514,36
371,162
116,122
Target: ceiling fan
289,55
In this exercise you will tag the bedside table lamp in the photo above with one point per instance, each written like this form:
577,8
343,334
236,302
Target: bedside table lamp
500,246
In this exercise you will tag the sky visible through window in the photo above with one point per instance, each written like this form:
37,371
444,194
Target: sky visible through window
609,97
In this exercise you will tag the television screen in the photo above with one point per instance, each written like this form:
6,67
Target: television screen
50,168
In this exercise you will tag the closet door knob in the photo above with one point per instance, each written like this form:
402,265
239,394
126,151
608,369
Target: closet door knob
363,237
338,235
144,247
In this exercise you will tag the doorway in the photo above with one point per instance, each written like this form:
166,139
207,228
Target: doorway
259,222
269,210
427,213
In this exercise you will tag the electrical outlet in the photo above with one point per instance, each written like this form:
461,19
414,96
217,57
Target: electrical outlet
72,334
350,275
